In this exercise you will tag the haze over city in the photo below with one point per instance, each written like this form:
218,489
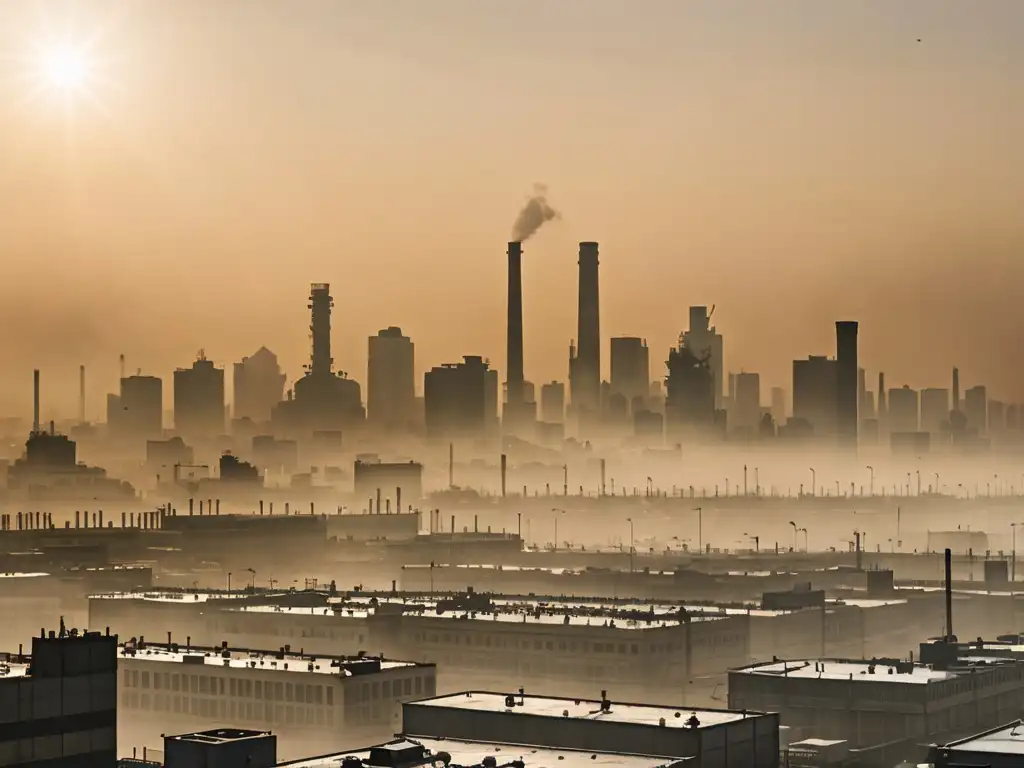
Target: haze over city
790,163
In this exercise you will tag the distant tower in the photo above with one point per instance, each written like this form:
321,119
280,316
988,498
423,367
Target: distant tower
956,390
847,383
320,306
882,407
586,366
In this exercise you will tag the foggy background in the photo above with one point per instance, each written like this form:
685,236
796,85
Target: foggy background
791,162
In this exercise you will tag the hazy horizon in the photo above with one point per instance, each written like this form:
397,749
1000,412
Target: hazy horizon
793,163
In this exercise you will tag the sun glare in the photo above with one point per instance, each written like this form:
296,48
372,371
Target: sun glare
66,69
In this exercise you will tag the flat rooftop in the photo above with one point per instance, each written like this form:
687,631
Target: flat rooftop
22,575
221,736
1008,740
11,669
578,709
172,596
473,753
830,669
335,666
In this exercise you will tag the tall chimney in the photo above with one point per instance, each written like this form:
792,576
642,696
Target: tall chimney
514,340
956,389
847,375
81,394
504,473
35,402
950,637
586,368
881,398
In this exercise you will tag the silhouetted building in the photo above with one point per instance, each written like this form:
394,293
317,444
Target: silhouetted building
138,410
199,398
814,393
996,417
883,406
390,380
272,454
59,706
847,383
258,386
552,402
233,469
630,368
401,481
746,412
976,409
162,454
690,399
935,410
221,748
903,410
585,359
322,399
457,399
704,341
779,405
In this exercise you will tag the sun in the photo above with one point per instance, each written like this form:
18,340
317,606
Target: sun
66,69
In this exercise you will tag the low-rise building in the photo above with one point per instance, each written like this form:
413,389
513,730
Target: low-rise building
884,701
712,738
1001,747
58,706
319,703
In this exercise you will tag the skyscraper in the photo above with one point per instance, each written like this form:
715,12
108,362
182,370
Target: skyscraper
746,412
903,410
552,402
457,400
847,383
935,410
258,385
814,393
199,398
138,410
390,380
705,342
630,368
976,409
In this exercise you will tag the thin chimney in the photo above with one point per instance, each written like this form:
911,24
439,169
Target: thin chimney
81,394
514,339
35,401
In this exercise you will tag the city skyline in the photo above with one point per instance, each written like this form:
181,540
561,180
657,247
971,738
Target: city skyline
885,197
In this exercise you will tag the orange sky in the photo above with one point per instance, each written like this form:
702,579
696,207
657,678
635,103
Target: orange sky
793,162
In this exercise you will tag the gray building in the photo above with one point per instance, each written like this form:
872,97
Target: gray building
460,399
58,708
258,385
552,402
390,380
137,411
199,399
903,410
713,738
630,368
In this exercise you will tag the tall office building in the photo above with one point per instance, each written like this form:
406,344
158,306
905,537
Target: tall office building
903,410
976,409
847,383
585,356
390,380
690,396
705,342
199,398
137,411
746,411
258,385
630,368
552,402
996,417
457,399
814,393
935,410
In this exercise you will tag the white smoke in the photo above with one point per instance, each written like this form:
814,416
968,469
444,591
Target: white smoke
536,211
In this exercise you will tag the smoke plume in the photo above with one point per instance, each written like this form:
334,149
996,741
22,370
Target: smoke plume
536,211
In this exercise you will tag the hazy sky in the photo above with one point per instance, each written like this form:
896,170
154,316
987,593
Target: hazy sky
792,161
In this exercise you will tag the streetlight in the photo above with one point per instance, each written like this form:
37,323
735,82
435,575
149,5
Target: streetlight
814,483
631,540
700,528
559,512
756,540
795,529
871,481
253,583
806,545
229,581
918,482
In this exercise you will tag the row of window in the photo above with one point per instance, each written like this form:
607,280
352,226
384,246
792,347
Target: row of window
715,641
229,710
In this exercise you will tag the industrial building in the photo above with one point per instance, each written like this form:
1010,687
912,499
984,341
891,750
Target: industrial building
258,385
814,394
137,411
630,368
396,480
58,707
320,703
711,738
391,381
457,400
1001,747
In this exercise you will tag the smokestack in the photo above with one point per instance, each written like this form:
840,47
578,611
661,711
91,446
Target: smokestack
847,389
320,305
120,361
950,637
504,471
585,377
398,500
514,340
81,394
35,401
956,389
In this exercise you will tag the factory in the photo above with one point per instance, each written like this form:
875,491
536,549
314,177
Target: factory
321,703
